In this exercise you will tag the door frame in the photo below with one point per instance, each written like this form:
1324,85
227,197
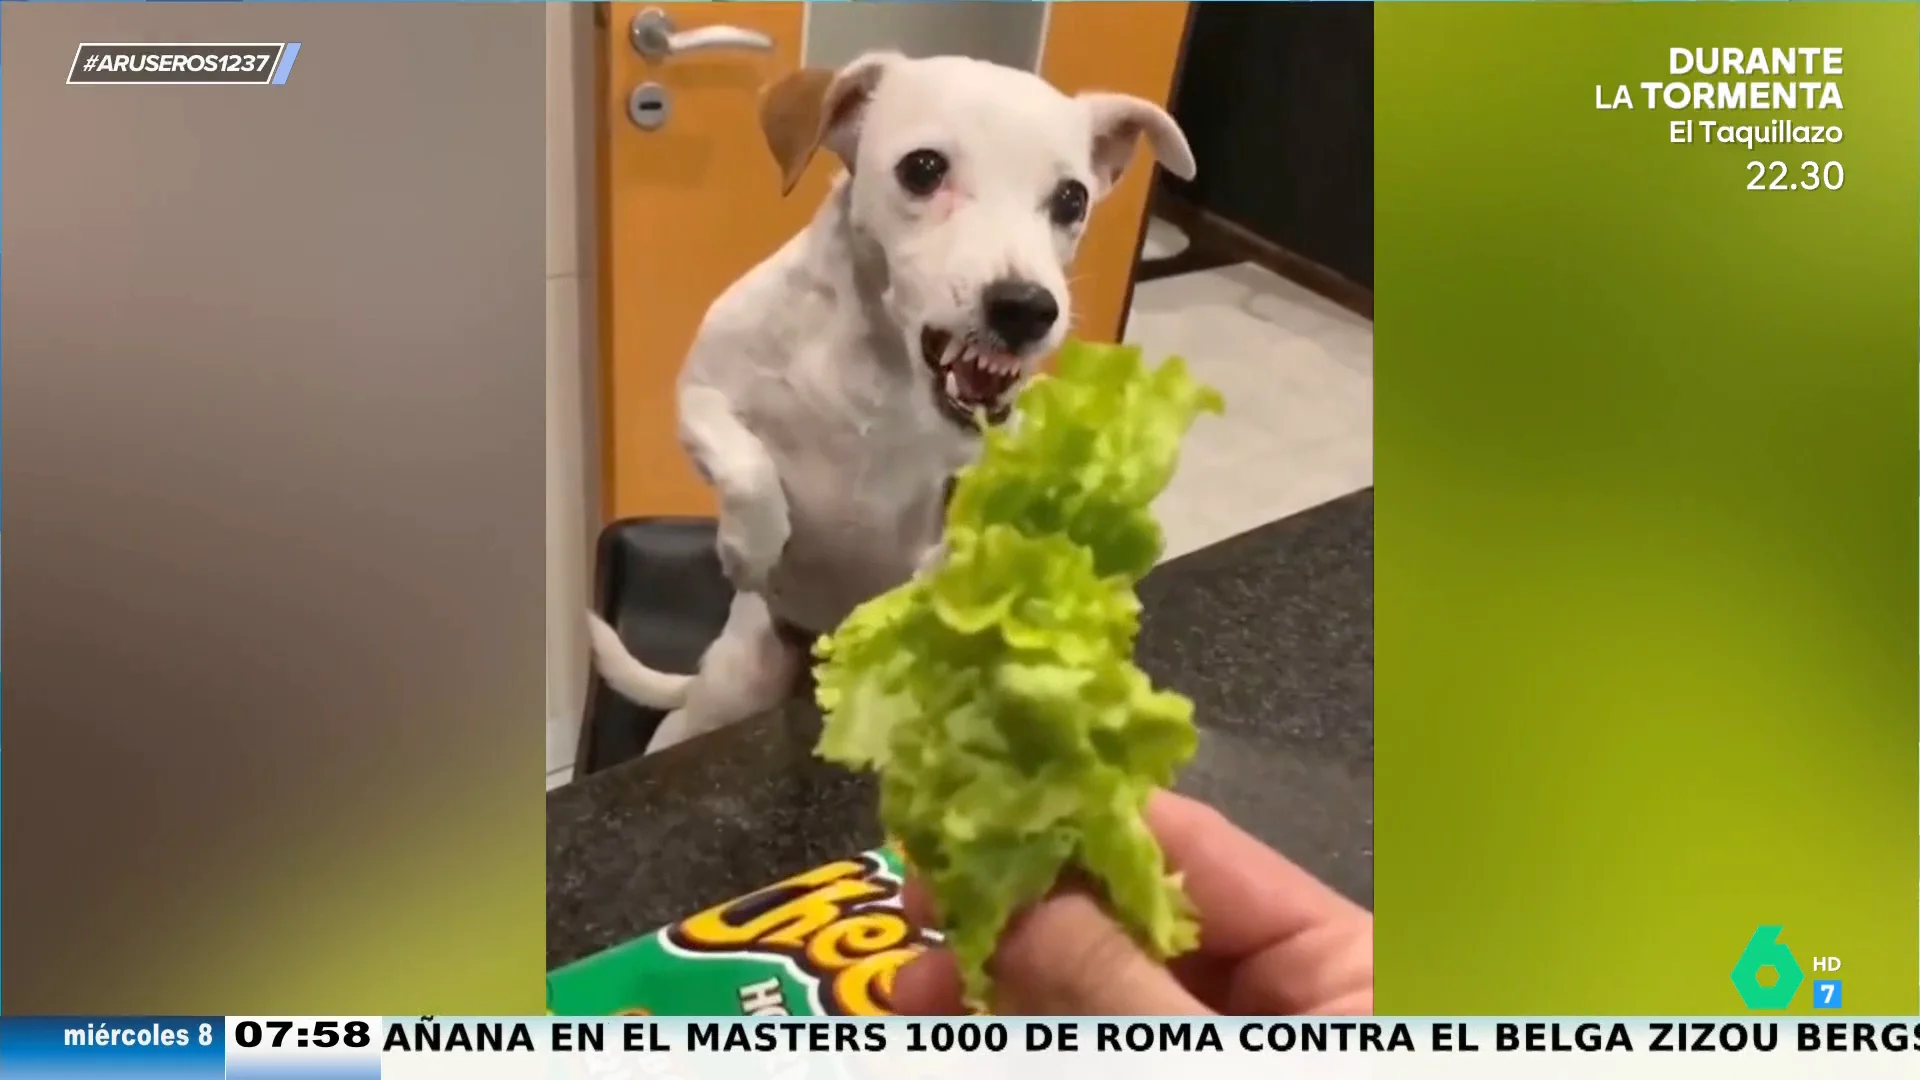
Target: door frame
1146,215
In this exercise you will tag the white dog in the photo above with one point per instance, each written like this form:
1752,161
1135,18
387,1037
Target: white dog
832,392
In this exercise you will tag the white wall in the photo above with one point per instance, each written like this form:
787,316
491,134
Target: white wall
572,455
1007,34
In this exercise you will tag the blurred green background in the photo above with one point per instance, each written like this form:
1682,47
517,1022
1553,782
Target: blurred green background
1646,525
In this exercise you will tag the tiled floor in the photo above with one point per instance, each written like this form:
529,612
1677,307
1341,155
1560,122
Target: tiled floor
1297,374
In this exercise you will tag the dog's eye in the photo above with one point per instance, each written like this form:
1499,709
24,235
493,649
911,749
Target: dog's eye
1068,204
920,172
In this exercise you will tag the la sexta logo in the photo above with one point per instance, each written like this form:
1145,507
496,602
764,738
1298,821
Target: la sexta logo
1766,950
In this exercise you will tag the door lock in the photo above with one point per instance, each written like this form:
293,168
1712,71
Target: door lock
648,106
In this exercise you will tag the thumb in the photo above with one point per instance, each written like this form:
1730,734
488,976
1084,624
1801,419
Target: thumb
1065,957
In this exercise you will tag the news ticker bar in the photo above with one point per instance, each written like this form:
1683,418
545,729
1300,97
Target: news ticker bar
867,1048
182,64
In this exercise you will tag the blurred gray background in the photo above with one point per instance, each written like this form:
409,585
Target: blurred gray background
273,419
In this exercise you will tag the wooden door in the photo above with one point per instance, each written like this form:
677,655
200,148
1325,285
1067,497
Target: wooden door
690,205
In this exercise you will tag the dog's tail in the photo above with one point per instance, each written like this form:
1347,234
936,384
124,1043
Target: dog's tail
630,678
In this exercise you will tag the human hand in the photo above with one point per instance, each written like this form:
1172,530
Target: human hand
1274,940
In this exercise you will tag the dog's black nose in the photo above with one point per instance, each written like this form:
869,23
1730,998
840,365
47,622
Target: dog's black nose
1019,312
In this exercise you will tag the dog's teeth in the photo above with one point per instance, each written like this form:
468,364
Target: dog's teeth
953,386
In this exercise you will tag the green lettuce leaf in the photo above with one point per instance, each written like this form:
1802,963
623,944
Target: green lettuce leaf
996,694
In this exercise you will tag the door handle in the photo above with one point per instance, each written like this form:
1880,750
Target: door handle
655,39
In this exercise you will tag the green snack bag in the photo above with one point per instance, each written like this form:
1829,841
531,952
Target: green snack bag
823,943
996,694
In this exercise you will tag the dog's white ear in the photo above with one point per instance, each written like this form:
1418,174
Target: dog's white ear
813,108
1118,122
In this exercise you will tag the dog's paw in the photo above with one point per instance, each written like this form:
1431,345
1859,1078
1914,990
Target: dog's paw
749,551
741,574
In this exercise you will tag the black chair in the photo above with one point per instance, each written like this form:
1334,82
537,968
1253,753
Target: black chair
658,583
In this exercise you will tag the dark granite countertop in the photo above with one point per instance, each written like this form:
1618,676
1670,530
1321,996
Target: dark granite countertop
1270,632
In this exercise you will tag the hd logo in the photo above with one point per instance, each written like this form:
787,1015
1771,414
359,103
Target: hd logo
1764,950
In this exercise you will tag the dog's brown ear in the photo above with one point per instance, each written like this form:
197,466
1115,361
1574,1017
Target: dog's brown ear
792,113
813,108
1118,122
